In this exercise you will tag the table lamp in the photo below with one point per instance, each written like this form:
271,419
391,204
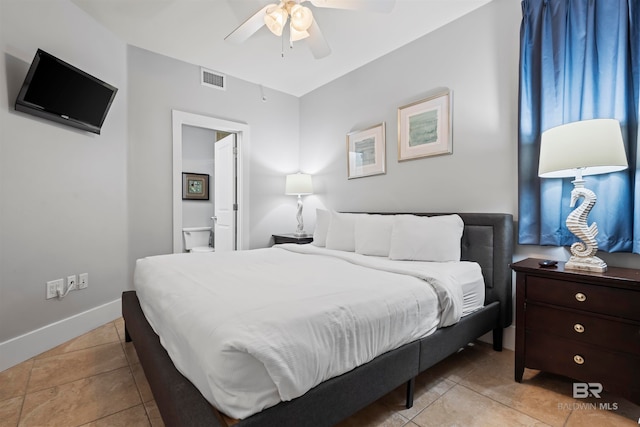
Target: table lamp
299,184
587,147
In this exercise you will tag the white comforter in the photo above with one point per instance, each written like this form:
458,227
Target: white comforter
252,328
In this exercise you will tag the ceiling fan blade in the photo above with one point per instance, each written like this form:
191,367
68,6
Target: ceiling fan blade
248,27
383,6
316,42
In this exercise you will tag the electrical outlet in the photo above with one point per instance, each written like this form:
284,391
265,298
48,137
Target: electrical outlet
52,288
72,282
83,281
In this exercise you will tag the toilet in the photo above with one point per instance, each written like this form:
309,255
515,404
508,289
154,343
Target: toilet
196,239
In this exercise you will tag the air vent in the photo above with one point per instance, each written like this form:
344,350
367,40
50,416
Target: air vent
212,79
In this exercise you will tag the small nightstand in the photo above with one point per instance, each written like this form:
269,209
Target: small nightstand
292,238
580,324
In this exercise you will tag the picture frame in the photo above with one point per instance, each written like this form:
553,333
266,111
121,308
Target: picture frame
366,152
195,186
425,127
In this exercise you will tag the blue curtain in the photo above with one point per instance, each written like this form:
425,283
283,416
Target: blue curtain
579,60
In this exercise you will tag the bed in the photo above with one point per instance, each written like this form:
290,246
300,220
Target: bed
487,239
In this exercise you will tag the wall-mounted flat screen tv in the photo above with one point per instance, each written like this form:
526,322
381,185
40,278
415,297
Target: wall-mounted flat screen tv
61,92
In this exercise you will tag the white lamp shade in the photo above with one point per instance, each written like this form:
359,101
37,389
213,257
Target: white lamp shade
296,35
298,183
301,17
593,146
275,19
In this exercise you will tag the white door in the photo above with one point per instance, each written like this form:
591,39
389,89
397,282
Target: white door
225,207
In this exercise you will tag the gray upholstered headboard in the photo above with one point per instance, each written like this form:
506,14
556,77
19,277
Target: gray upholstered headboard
488,240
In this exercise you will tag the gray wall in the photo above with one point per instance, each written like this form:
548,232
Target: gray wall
63,191
158,84
477,58
74,202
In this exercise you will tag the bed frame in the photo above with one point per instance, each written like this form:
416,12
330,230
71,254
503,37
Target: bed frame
487,239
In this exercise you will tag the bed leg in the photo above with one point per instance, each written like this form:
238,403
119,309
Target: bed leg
127,337
497,339
411,384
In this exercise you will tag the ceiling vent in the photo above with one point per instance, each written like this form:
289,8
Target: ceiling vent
213,79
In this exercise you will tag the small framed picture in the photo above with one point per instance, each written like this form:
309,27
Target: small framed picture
366,152
424,127
195,186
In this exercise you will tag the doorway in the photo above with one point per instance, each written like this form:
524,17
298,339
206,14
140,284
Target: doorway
237,234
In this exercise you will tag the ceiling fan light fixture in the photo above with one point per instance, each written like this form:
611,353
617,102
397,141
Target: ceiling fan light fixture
275,19
296,35
301,18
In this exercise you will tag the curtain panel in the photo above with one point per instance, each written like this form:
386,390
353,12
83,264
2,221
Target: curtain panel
579,60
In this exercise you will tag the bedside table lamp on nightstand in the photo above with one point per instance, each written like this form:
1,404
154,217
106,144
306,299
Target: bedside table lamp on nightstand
299,184
588,147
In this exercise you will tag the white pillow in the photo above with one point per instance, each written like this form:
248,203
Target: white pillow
421,238
341,234
322,226
373,234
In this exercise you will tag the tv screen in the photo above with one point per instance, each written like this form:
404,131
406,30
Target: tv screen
61,92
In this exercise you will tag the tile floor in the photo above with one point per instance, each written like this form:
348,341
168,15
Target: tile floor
96,380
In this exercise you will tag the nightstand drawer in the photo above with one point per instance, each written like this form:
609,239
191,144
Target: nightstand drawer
581,296
584,362
584,325
616,335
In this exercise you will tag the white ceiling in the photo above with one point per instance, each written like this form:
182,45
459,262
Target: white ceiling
194,31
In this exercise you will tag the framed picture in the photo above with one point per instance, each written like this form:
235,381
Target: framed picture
195,186
424,127
366,152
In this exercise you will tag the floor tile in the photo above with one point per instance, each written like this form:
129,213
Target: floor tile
96,380
427,390
538,396
82,401
119,324
462,363
463,407
14,380
375,415
67,367
597,418
153,413
609,410
10,411
142,383
136,416
102,335
130,352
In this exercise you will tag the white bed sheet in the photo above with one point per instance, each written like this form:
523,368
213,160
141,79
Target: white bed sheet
468,275
250,329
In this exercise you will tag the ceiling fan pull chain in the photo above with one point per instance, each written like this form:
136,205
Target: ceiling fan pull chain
290,38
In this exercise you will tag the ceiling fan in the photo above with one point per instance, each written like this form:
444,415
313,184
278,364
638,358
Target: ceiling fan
301,22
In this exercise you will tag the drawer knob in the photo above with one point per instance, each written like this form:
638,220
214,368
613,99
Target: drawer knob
578,328
578,359
581,297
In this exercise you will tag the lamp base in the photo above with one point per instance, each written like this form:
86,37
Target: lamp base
586,264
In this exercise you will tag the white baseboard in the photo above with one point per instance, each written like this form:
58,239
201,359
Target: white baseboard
508,338
24,347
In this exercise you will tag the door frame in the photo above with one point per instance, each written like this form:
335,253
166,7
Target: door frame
181,118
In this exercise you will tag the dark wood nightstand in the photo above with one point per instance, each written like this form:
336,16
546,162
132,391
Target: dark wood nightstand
292,238
579,324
